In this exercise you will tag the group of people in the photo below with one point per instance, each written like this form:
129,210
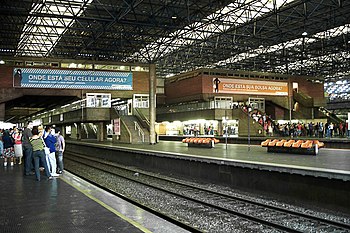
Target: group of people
11,146
311,129
39,148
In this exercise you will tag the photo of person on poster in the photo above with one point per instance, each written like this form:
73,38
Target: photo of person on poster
17,78
216,84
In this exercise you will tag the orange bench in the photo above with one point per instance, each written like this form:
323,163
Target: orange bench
200,142
292,146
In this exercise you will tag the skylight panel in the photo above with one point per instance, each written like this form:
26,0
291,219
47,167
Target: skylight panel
40,34
239,12
334,32
315,60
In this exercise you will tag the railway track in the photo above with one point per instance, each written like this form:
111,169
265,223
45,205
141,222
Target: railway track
197,208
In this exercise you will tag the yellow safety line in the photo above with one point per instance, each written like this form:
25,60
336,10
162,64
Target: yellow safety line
136,224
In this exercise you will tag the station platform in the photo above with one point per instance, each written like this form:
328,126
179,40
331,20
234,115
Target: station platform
68,204
330,163
321,180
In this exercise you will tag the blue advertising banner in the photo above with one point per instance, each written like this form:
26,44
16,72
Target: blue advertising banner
72,79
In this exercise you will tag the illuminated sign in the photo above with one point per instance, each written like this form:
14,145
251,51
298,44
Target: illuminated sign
71,79
250,87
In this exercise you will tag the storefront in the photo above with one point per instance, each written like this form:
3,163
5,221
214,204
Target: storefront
199,127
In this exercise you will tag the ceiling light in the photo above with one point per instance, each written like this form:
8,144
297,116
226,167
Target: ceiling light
2,62
174,17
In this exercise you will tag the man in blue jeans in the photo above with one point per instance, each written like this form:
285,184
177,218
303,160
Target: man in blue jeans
60,146
28,149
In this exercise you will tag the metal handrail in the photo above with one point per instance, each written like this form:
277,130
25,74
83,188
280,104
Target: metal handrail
141,117
140,131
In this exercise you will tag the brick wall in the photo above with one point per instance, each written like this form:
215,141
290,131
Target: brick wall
6,80
184,90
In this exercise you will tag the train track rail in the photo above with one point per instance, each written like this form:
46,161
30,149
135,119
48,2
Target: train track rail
197,208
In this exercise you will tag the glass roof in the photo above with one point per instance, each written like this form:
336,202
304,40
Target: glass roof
40,33
236,13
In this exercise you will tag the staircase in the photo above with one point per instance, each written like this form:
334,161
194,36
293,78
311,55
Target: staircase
330,115
303,99
132,127
89,131
255,128
143,117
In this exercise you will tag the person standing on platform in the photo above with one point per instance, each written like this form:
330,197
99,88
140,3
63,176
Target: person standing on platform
9,152
39,154
1,147
17,137
320,130
60,146
50,141
27,149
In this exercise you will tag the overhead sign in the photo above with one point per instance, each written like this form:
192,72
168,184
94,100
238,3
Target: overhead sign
71,79
250,87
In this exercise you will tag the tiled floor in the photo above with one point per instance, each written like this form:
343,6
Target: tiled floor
67,204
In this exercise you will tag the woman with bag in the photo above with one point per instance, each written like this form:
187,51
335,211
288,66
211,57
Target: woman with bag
8,148
17,137
38,154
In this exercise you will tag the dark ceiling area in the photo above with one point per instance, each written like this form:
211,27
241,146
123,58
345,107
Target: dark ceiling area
297,37
41,101
20,108
301,37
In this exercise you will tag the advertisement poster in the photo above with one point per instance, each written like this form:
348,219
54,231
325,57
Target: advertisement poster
98,100
250,87
116,124
71,79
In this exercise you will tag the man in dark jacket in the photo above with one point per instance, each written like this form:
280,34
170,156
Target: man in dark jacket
28,149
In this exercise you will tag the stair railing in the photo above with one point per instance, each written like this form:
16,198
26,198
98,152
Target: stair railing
140,131
144,120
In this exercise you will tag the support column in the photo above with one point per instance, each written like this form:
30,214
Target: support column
78,131
152,103
2,112
220,128
100,131
290,99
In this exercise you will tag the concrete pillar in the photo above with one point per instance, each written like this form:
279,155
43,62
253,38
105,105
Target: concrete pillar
220,128
78,131
290,99
2,112
63,131
152,103
100,131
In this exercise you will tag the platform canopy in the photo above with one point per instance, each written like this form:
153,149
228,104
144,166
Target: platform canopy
304,37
